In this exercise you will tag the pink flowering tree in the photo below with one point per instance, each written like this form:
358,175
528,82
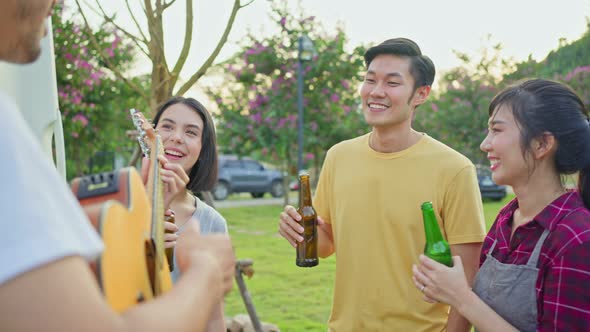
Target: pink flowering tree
569,63
257,99
579,80
457,113
93,102
149,41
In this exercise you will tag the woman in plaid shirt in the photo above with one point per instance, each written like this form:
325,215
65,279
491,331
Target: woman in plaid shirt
535,261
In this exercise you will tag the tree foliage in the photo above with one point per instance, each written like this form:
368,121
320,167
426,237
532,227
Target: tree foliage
93,102
570,64
165,80
257,100
558,62
458,115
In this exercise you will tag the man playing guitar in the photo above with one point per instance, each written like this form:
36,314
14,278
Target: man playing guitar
46,242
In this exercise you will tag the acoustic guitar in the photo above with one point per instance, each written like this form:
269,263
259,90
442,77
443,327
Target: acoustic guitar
130,220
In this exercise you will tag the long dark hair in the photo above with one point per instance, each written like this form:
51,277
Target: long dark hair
540,106
203,174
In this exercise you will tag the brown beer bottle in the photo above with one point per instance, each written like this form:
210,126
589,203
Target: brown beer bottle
307,250
436,246
170,217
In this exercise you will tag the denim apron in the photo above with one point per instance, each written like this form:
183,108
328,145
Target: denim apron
510,289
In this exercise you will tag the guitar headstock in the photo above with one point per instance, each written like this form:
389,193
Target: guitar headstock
147,133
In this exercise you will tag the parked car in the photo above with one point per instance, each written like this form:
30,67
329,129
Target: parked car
238,175
487,187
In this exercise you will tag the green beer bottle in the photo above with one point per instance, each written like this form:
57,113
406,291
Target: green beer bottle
436,246
307,250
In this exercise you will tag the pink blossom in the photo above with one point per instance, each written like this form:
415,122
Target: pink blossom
282,123
577,70
308,156
283,21
80,118
256,117
334,98
76,100
83,64
96,75
313,126
253,104
435,107
75,134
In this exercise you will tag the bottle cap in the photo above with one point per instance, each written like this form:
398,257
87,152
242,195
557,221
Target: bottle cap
426,205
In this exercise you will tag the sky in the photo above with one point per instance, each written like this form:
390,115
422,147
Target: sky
524,27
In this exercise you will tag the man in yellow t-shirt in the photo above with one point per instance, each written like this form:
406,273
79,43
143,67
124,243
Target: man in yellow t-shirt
368,201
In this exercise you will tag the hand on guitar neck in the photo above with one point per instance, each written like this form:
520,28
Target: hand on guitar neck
173,177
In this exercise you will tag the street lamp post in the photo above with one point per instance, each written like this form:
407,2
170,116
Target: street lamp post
306,52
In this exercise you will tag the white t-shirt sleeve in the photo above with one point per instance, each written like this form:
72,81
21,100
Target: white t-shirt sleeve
40,219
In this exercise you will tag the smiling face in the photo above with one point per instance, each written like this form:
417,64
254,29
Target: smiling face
181,129
22,26
388,94
503,147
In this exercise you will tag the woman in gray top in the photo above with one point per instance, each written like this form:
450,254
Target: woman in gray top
188,136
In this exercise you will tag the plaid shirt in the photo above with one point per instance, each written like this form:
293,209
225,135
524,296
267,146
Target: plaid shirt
563,284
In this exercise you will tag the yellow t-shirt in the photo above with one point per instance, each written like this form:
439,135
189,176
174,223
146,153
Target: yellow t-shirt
373,202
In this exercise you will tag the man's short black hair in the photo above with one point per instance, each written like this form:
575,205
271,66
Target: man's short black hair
421,67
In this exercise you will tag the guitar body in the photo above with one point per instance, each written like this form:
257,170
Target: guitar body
119,209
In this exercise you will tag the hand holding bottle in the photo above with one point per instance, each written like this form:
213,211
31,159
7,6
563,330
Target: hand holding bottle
289,226
300,227
441,283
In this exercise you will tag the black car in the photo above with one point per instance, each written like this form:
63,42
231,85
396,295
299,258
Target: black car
237,175
487,187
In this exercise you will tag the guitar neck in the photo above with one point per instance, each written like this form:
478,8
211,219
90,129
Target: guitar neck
157,197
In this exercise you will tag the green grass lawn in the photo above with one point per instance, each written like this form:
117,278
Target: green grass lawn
295,299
